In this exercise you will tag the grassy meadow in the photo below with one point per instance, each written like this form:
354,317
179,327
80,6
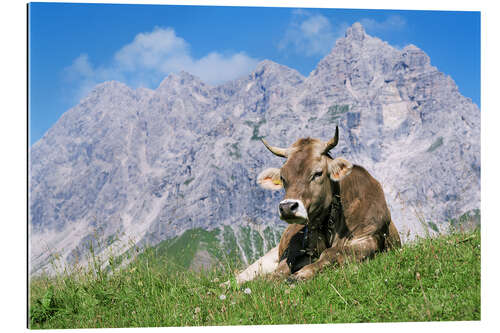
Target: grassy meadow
435,279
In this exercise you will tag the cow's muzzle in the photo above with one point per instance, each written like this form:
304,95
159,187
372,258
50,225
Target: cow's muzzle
293,211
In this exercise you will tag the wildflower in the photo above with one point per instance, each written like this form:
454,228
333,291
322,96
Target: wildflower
222,297
385,281
215,280
233,303
248,291
197,309
292,286
287,291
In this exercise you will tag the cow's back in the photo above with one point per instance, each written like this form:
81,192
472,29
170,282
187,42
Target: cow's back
363,202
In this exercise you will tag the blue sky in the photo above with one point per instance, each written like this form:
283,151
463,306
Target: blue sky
75,46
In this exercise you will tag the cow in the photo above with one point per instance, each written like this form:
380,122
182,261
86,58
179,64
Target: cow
335,210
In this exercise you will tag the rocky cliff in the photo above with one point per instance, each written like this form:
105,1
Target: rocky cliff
150,164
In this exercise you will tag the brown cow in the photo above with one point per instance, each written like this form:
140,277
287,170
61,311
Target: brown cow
335,209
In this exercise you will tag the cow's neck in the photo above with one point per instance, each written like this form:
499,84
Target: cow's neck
316,235
333,215
320,232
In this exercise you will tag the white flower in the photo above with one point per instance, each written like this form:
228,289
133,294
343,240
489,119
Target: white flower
197,309
222,297
247,291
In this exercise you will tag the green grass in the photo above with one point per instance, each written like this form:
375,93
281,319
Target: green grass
432,279
181,250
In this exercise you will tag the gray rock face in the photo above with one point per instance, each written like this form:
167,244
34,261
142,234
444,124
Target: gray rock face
150,164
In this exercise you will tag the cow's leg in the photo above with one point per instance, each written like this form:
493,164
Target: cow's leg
265,265
358,249
270,261
289,247
282,270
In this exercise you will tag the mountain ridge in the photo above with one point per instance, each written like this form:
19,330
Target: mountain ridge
154,163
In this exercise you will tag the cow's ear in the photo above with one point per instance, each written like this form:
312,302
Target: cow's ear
270,179
339,168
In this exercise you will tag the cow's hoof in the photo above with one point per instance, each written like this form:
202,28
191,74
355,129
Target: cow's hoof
303,274
291,279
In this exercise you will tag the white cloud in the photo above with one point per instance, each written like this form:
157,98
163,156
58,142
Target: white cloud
151,56
83,74
313,34
81,67
153,50
215,67
309,34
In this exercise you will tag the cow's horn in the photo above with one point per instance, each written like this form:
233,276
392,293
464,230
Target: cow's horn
281,152
333,142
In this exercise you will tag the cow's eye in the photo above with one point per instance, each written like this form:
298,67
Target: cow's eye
282,180
317,174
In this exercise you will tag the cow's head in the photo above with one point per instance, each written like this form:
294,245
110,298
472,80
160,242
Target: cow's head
307,177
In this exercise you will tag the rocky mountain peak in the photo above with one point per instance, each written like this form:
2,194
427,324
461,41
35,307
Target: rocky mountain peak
180,78
180,83
270,69
267,64
186,77
415,57
109,87
356,32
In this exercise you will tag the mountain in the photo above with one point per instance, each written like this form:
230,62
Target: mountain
151,164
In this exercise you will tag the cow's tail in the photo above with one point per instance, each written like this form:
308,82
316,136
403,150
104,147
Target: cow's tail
392,241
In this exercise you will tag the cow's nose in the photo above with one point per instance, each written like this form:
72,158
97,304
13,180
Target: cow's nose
288,208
